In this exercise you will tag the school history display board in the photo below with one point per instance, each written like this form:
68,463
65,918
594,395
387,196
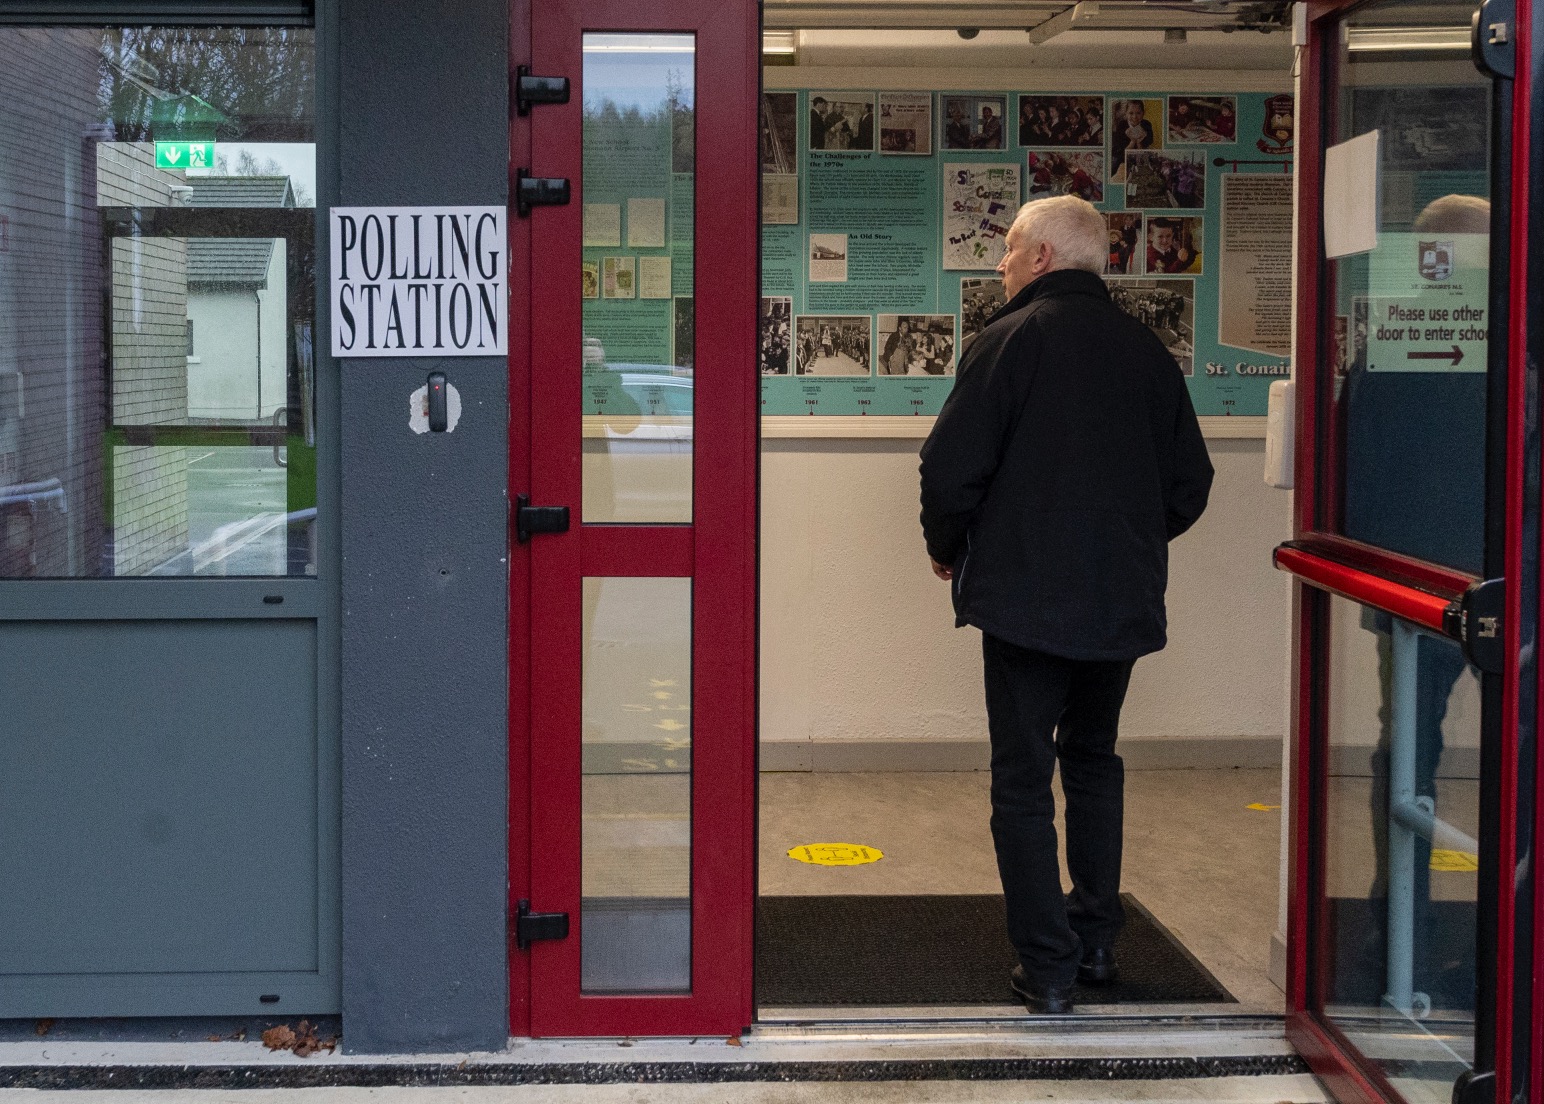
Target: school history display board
884,213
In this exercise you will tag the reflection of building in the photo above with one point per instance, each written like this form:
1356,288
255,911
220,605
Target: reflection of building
236,308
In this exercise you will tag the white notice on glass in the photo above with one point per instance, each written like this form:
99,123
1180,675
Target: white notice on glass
654,277
645,223
1351,196
602,224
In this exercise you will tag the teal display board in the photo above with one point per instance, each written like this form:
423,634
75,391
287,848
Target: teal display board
884,215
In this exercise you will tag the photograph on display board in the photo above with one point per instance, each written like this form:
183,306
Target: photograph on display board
828,258
1166,181
841,120
1203,119
780,132
980,298
1168,308
1061,121
589,278
832,344
1174,245
1125,244
1134,125
1424,129
683,336
617,278
915,345
973,122
1066,172
906,122
776,333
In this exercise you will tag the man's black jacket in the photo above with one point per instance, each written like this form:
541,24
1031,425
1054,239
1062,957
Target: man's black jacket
1064,461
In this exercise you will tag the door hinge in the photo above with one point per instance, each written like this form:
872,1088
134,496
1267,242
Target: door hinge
1479,625
537,90
1493,38
531,926
1475,1088
538,519
539,191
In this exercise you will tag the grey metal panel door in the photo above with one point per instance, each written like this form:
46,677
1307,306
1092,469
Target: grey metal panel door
168,610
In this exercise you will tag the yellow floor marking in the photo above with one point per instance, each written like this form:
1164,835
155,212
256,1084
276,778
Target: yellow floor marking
1454,862
836,854
1259,808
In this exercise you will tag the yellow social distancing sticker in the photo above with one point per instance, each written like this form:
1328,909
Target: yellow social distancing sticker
1454,862
836,854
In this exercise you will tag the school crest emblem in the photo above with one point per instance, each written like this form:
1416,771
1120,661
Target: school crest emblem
1277,126
1436,260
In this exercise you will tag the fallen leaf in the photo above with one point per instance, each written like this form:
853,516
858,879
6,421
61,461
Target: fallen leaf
44,1027
735,1040
281,1037
215,1038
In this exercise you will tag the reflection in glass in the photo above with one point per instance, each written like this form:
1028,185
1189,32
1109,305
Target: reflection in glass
1410,318
636,281
635,926
1402,819
156,408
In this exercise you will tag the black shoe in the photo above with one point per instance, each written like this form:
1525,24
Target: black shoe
1098,966
1039,997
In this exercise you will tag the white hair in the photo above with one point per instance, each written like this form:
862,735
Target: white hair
1074,229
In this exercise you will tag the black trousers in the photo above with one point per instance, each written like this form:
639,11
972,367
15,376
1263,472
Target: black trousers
1042,709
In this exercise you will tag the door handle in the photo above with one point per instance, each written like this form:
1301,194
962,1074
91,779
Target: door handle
538,519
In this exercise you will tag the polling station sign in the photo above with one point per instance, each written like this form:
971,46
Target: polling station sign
419,281
1428,303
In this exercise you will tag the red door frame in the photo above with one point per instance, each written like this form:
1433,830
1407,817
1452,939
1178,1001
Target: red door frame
718,550
1364,573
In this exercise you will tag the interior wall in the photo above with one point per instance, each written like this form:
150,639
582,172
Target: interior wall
861,667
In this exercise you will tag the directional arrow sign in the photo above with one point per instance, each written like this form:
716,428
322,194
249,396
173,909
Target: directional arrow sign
1454,356
184,155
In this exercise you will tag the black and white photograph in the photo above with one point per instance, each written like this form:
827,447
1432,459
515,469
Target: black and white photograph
906,123
980,298
1424,129
1126,238
841,121
1174,245
915,345
1066,172
1167,307
1195,120
1134,125
776,331
1172,180
832,344
589,278
828,258
684,332
1075,122
974,122
780,132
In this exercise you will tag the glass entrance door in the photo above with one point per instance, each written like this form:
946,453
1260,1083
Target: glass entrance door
634,550
1415,546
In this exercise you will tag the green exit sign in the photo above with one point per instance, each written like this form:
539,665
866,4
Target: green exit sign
184,155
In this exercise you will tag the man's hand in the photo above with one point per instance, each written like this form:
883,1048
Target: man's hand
944,573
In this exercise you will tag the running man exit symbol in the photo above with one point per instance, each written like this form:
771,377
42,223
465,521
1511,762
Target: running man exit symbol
184,155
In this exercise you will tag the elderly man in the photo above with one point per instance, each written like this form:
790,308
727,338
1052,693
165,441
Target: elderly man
1065,460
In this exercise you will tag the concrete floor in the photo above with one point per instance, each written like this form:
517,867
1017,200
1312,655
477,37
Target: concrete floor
1232,1090
1202,861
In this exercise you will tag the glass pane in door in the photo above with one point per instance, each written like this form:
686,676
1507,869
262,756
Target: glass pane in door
1401,849
1410,316
635,924
639,351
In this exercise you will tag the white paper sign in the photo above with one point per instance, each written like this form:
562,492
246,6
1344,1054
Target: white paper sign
1351,196
419,281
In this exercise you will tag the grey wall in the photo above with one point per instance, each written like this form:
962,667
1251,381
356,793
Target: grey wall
421,118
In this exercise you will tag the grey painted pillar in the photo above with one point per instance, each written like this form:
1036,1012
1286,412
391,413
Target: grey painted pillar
421,119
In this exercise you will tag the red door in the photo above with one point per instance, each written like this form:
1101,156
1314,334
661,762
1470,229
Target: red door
1416,556
634,624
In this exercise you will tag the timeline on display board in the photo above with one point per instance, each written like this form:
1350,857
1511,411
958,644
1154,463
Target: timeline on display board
884,216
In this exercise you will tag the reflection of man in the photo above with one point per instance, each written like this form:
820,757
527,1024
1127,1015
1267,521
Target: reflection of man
1049,505
1165,252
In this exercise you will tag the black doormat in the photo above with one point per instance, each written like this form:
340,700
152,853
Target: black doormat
817,952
